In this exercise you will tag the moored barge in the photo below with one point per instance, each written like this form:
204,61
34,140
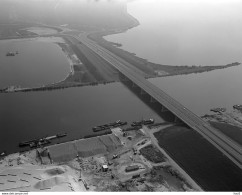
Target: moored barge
143,122
118,123
41,141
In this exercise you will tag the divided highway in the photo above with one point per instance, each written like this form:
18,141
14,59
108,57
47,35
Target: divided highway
227,146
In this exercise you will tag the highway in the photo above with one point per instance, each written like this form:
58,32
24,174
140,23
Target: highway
227,146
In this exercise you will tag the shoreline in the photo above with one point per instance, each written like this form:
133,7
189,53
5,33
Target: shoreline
227,122
58,157
75,77
168,155
154,70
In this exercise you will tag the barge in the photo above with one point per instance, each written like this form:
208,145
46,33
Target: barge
218,109
118,123
41,141
143,122
11,53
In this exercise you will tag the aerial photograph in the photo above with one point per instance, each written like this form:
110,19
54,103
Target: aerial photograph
121,96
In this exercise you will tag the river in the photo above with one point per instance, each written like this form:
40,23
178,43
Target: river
190,32
24,116
185,32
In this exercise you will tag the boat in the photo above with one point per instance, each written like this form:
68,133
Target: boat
142,122
10,54
27,143
148,122
41,141
238,107
117,123
96,129
218,109
3,153
61,135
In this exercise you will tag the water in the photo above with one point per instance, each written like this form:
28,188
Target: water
185,32
39,62
167,34
24,116
203,91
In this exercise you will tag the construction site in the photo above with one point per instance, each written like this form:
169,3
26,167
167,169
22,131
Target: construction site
128,160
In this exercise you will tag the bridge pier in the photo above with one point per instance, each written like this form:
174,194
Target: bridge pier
152,100
142,92
164,109
123,77
177,120
133,85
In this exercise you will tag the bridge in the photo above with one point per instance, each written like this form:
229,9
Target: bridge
227,146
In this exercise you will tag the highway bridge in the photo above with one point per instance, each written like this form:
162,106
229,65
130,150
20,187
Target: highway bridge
227,146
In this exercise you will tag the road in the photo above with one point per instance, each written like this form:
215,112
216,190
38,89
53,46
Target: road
227,146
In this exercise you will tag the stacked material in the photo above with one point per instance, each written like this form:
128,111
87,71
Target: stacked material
63,152
90,147
84,148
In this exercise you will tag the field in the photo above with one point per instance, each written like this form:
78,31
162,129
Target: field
203,162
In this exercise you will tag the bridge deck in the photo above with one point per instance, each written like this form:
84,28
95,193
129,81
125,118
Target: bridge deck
231,149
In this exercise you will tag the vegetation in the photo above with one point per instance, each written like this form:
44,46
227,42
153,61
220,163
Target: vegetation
152,154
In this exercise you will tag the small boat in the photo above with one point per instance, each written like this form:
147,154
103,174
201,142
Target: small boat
3,153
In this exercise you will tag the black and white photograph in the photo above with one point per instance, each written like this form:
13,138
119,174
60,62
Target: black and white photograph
120,96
